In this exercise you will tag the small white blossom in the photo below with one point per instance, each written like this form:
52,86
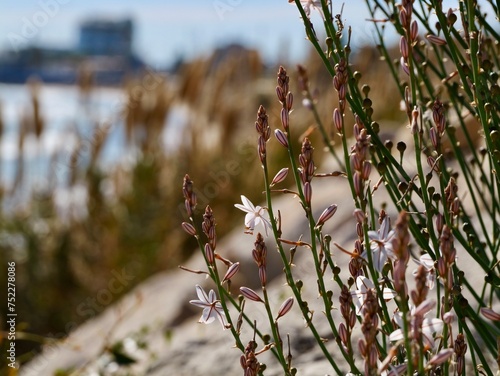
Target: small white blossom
429,325
364,284
381,244
255,215
212,308
308,4
428,263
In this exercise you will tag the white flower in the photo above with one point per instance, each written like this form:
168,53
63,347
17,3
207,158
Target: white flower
428,263
428,328
381,244
211,307
364,284
308,4
255,215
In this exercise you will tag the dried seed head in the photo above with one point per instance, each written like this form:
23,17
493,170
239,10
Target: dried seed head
337,120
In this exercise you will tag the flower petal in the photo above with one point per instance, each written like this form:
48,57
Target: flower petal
363,284
396,335
248,204
202,295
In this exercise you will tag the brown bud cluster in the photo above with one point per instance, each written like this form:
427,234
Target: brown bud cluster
208,227
259,255
448,255
189,195
400,249
283,82
303,79
264,131
420,293
249,361
460,350
306,161
340,83
452,200
369,328
356,262
359,156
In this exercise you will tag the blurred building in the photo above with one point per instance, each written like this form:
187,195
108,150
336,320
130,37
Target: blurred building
105,37
104,53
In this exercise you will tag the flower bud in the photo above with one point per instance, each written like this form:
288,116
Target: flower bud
490,314
358,184
337,120
280,176
209,253
262,275
285,308
285,119
414,31
343,333
403,47
327,214
367,169
441,357
189,228
250,294
307,192
281,137
359,215
435,40
404,66
231,271
289,101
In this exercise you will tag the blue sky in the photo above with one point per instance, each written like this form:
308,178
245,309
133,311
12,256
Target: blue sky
168,29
